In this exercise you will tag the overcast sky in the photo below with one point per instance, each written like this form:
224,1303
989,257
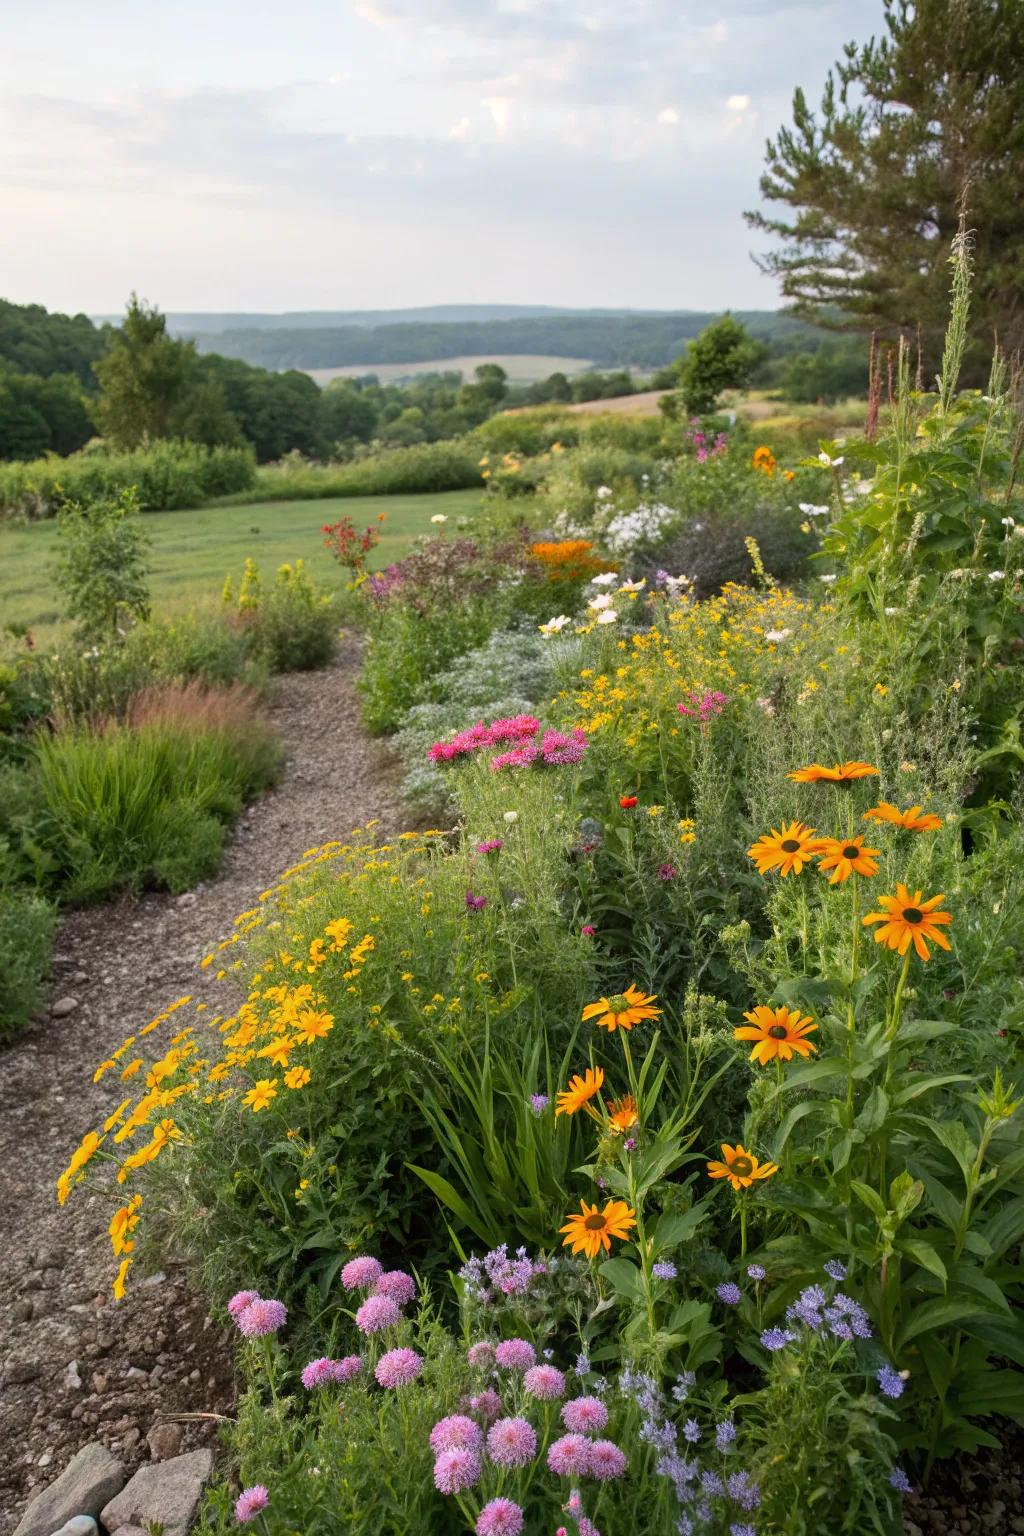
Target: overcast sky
314,154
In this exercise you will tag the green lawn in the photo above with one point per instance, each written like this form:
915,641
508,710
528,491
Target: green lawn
194,550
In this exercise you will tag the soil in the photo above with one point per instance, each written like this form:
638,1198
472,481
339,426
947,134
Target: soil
78,1366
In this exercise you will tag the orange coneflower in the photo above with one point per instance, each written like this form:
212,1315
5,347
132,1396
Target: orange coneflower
579,1091
589,1230
740,1167
621,1011
839,773
846,856
786,850
910,920
779,1033
914,820
622,1115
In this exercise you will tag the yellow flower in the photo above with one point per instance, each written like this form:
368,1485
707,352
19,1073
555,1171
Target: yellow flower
338,931
122,1223
740,1167
122,1275
622,1115
846,856
589,1230
297,1077
778,1033
910,920
261,1094
579,1091
313,1026
787,850
621,1011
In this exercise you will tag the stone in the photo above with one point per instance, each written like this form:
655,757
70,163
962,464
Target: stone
62,1007
81,1525
88,1482
22,1310
16,1371
164,1441
164,1492
72,1377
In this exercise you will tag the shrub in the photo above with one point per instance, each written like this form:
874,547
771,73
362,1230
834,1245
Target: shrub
444,466
101,565
165,476
291,625
27,922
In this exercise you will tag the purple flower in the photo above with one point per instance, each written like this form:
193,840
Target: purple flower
396,1284
691,1431
475,903
511,1442
480,1354
729,1292
847,1319
667,872
249,1503
501,1517
742,1491
585,1415
776,1338
398,1367
345,1370
492,845
899,1480
756,1271
744,1529
570,1456
890,1381
808,1308
558,748
317,1373
456,1470
606,1460
376,1313
456,1433
487,1404
240,1300
712,1484
835,1269
664,1270
360,1274
515,1354
539,1102
582,1366
544,1382
587,931
261,1317
725,1434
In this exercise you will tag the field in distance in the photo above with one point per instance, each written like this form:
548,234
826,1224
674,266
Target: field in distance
520,369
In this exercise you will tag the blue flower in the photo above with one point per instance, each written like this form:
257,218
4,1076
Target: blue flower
890,1381
664,1270
899,1480
725,1434
756,1271
835,1269
691,1431
776,1338
742,1491
712,1484
582,1365
730,1293
742,1530
539,1102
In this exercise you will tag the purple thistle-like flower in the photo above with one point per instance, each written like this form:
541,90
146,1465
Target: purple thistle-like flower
396,1284
890,1381
729,1292
475,903
317,1373
607,1460
501,1517
361,1273
899,1480
456,1470
539,1102
261,1317
480,1354
835,1269
667,872
756,1271
585,1415
377,1313
239,1301
511,1442
250,1502
712,1484
515,1354
487,1404
725,1434
544,1382
398,1368
742,1491
456,1432
492,845
664,1270
774,1339
346,1369
569,1456
847,1319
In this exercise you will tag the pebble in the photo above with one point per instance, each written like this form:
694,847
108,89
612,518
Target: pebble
72,1378
63,1006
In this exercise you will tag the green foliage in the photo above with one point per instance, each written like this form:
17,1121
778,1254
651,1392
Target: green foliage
143,379
32,341
722,357
425,467
291,625
26,941
42,415
101,566
164,476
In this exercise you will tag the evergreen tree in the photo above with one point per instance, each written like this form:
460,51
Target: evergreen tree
144,379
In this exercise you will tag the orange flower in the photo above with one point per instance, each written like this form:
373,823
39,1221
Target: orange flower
579,1091
846,856
589,1230
740,1167
622,1115
627,802
786,850
840,773
621,1011
910,920
779,1033
914,820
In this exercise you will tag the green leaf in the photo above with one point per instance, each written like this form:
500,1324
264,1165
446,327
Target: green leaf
940,1312
872,1116
869,1197
624,1278
449,1196
675,1227
924,1254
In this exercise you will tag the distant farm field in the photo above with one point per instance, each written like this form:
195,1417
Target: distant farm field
524,369
194,550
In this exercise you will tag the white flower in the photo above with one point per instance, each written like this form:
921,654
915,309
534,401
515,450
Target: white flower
766,705
554,625
439,517
602,600
1008,522
633,586
810,510
603,492
828,580
509,817
609,616
776,636
996,575
890,611
605,579
823,458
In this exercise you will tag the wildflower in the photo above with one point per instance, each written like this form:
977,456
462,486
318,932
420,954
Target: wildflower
318,1372
475,903
346,1369
664,1270
123,1222
361,1273
590,1230
120,1278
297,1077
890,1381
740,1167
706,705
743,1528
787,850
314,1025
499,1517
456,1470
587,931
621,1011
809,510
376,1313
539,1103
729,1292
846,856
742,1491
756,1271
622,1115
774,1339
492,845
398,1367
913,819
835,1269
777,636
261,1317
691,1431
607,1461
570,1456
240,1300
667,872
260,1096
456,1432
585,1415
839,773
544,1382
996,575
396,1284
510,818
910,920
627,802
511,1442
480,1354
553,626
725,1434
487,1404
579,1091
779,1033
899,1480
439,517
515,1355
250,1503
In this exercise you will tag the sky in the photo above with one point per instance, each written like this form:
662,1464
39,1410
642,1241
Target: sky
349,154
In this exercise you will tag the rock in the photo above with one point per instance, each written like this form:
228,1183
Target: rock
62,1007
87,1483
22,1310
22,1370
164,1492
164,1441
81,1525
72,1378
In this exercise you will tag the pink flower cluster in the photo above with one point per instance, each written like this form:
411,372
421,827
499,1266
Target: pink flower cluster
511,728
553,749
576,1456
325,1372
250,1503
519,732
398,1368
706,705
390,1290
254,1317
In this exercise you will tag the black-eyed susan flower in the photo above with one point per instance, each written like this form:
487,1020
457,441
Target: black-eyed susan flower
740,1167
908,919
839,773
846,856
621,1011
580,1091
913,820
778,1033
589,1230
787,850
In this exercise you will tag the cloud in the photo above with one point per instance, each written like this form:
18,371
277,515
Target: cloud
668,115
459,132
738,103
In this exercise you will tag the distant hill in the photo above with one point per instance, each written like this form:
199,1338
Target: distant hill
34,341
199,322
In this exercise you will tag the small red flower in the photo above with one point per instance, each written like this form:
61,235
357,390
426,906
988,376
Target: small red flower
627,802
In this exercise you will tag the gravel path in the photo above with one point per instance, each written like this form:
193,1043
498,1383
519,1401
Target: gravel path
76,1365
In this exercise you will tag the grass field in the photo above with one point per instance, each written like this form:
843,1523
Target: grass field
194,550
521,369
